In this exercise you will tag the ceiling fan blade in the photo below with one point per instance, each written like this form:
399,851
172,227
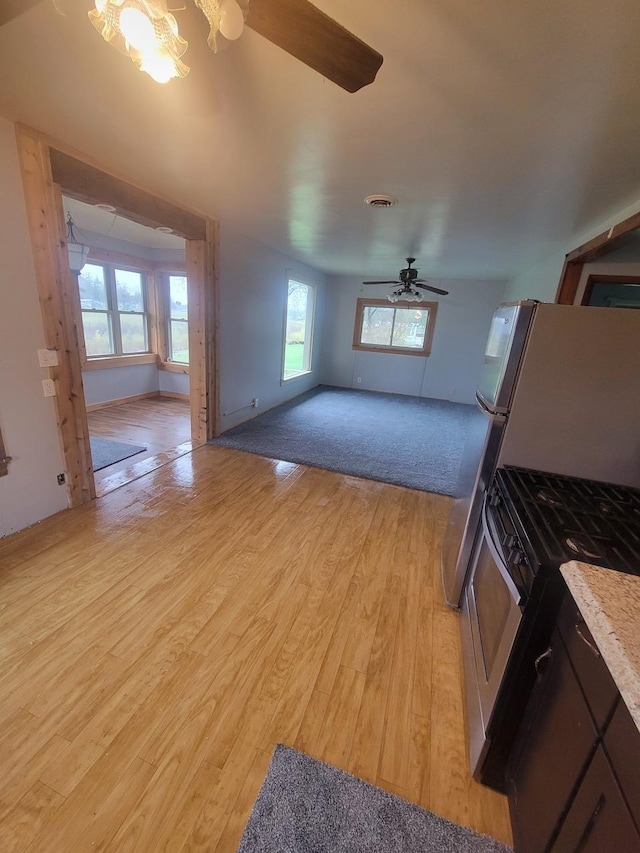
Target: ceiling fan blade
382,282
432,289
317,40
10,9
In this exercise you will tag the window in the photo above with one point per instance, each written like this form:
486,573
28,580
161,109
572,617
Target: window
298,336
114,314
178,320
401,327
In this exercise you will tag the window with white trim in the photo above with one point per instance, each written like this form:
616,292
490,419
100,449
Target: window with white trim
298,335
177,319
113,301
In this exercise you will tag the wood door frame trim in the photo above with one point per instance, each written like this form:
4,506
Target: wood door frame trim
591,251
48,168
599,278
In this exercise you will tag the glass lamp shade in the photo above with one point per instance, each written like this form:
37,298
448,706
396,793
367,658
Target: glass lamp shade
78,254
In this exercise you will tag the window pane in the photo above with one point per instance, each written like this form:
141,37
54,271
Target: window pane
409,328
298,330
98,339
179,343
133,330
129,292
93,290
178,300
377,324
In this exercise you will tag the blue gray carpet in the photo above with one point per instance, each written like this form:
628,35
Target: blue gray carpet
306,806
105,452
408,441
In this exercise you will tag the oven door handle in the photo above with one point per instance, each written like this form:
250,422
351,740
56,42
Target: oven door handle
514,592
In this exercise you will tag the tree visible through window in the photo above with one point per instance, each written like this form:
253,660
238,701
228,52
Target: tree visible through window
178,319
298,338
404,327
114,316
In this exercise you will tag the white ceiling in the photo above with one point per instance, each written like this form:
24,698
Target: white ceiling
501,127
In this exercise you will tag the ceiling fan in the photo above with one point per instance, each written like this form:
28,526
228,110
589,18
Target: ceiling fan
296,26
408,280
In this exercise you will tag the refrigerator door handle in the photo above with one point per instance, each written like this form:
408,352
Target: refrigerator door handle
482,405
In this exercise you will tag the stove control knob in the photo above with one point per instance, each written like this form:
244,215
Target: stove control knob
516,557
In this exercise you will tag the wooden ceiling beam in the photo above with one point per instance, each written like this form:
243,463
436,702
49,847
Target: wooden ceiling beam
91,185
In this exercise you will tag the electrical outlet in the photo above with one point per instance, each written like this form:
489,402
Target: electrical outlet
48,358
61,479
48,388
359,380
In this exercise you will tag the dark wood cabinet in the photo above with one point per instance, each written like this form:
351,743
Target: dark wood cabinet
598,819
564,792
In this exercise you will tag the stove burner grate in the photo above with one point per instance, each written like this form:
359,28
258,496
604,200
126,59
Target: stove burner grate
562,518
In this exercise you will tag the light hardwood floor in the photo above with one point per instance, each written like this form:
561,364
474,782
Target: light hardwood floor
157,643
161,424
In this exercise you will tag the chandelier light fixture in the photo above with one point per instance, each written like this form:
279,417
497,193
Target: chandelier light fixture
77,251
147,32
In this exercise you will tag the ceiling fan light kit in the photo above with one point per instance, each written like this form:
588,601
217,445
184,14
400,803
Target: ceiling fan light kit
408,281
147,32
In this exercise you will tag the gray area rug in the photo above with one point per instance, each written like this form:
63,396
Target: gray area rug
306,806
408,441
105,452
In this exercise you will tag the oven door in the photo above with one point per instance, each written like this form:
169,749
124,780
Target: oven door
491,615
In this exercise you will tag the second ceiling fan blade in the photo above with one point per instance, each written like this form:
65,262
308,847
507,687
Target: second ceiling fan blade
432,289
10,9
382,282
315,39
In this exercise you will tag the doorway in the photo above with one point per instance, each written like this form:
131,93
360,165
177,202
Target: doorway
134,344
48,172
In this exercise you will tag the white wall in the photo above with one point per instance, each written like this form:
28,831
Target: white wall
177,383
540,278
115,383
449,373
253,296
30,492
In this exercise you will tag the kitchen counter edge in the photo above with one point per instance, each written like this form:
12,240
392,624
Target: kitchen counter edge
610,605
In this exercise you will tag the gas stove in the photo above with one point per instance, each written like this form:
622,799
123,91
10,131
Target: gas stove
567,518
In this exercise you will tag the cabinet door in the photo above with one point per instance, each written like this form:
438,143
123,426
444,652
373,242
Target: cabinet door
554,746
622,745
598,819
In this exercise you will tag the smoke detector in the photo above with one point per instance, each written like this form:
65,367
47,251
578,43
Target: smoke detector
380,200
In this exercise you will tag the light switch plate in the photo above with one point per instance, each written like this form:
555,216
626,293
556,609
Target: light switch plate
48,357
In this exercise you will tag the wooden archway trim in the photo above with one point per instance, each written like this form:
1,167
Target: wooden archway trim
590,251
46,172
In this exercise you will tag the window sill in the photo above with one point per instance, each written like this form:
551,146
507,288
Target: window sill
102,363
286,379
174,367
393,350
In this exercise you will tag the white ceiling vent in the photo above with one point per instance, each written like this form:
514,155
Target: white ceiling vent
380,200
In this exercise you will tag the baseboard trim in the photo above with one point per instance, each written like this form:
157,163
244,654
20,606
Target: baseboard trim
107,404
175,395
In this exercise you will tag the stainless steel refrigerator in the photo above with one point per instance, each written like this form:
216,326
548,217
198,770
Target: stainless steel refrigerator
559,392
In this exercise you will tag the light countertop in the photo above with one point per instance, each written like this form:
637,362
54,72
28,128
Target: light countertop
610,605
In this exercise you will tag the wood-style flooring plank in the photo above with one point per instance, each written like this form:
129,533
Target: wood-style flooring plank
156,644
